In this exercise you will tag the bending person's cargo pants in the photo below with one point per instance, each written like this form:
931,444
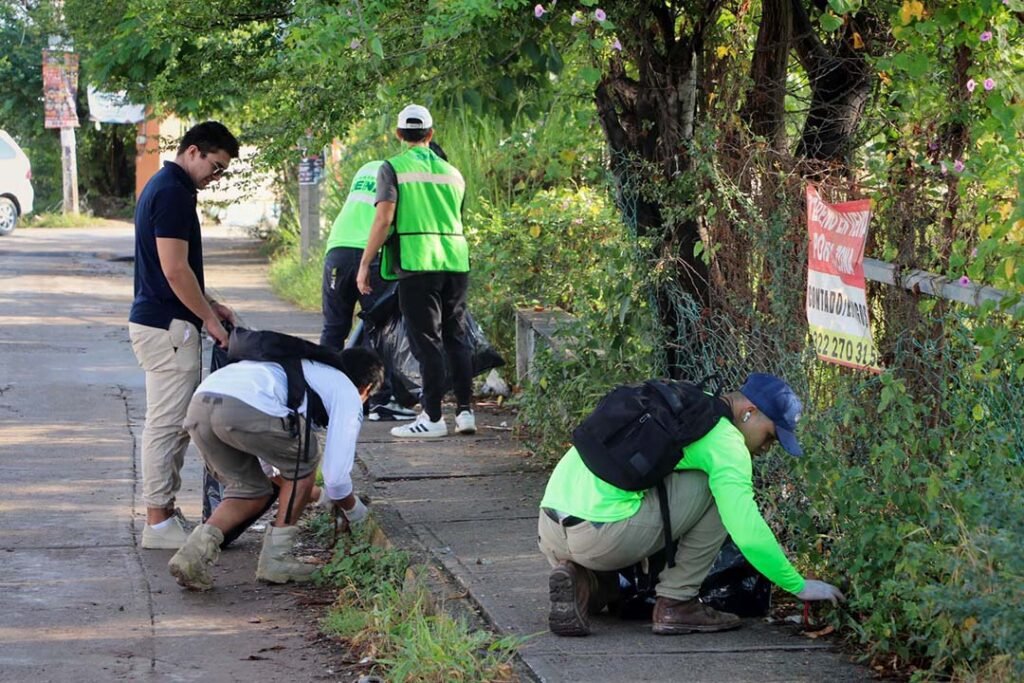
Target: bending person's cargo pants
173,364
611,546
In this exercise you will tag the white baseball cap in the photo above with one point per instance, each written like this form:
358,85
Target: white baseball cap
415,116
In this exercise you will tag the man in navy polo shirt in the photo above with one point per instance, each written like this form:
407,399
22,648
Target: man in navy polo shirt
169,310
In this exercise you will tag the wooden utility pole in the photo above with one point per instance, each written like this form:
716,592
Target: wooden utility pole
69,165
60,88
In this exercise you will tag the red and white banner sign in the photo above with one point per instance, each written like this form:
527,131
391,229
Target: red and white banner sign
837,311
60,88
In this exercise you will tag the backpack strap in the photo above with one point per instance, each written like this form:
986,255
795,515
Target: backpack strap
666,523
671,397
301,453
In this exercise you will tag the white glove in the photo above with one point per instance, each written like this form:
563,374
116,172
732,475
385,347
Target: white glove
819,590
357,514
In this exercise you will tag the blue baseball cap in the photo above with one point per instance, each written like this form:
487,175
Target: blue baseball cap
779,403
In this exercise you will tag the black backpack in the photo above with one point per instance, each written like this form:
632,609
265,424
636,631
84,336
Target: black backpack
288,352
634,437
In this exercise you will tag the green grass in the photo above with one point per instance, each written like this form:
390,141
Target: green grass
386,617
68,220
298,282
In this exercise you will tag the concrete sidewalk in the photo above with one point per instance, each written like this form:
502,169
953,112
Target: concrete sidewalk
471,501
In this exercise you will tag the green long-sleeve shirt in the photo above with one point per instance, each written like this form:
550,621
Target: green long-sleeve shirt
723,456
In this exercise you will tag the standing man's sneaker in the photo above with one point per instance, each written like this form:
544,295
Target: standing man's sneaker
167,535
422,428
465,422
390,411
569,592
191,565
673,617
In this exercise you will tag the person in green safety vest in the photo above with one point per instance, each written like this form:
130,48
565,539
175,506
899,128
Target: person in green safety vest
418,222
588,529
339,293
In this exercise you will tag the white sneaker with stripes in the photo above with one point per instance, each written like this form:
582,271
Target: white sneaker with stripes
422,428
465,422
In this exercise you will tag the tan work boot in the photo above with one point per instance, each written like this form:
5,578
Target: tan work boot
673,617
276,565
569,588
190,566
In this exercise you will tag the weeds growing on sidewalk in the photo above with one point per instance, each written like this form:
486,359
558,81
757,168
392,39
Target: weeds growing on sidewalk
387,619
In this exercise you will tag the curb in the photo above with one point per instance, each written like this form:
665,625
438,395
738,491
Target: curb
448,594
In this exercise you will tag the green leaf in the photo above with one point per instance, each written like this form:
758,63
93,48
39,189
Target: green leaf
830,22
376,47
590,75
555,61
978,413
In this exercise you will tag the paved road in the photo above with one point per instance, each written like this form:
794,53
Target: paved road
79,600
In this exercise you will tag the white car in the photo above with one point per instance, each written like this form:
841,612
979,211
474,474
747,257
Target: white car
16,194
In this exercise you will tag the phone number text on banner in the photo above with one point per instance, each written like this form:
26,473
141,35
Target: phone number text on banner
837,311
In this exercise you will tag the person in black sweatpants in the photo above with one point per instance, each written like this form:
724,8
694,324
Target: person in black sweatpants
424,299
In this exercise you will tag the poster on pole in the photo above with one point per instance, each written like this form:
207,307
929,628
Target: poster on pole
837,310
60,88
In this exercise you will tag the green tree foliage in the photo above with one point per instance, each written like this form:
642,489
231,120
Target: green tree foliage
106,173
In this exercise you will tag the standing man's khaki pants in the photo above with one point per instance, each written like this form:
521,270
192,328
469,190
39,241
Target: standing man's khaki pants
611,546
173,365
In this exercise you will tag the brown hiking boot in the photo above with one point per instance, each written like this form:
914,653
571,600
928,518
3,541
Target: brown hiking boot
672,617
569,591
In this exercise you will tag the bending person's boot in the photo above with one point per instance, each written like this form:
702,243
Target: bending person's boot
673,617
276,565
569,589
191,565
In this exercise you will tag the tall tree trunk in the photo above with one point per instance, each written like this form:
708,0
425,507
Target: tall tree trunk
649,122
841,80
764,110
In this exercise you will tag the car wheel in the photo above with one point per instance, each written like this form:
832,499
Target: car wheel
8,215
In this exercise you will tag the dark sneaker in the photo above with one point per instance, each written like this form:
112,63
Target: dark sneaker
673,617
390,411
604,593
569,591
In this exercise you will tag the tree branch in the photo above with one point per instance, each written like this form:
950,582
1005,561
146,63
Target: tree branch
809,50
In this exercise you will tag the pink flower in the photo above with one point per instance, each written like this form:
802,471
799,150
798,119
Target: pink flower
539,11
974,253
617,45
575,18
599,14
989,84
958,166
943,168
355,44
971,85
964,280
985,36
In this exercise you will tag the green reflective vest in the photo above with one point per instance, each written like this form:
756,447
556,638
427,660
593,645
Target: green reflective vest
427,234
352,226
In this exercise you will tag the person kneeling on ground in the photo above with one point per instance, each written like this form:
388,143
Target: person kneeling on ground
589,529
238,416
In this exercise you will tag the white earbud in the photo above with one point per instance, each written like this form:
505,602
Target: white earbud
746,416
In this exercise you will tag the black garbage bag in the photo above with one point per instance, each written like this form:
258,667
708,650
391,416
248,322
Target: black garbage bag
384,332
732,585
213,490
